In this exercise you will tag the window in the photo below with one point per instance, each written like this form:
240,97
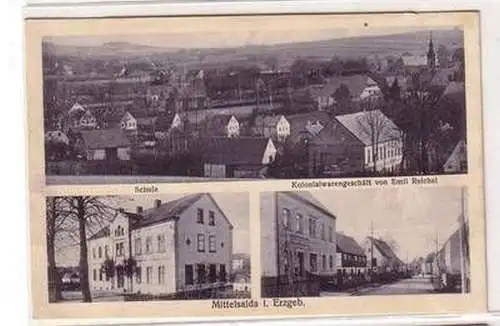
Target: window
323,262
100,252
313,263
200,271
200,242
330,234
285,217
93,253
369,155
138,275
100,275
331,262
149,274
119,249
199,218
149,245
138,246
188,271
94,275
223,272
106,251
211,218
299,223
161,243
322,232
161,274
211,243
312,227
212,273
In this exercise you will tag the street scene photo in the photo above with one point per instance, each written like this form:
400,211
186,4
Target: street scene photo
142,248
365,242
262,104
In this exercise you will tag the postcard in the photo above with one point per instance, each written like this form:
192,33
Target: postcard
256,166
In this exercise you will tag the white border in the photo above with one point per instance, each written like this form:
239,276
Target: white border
490,39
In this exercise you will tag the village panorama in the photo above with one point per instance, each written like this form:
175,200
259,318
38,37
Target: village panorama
371,105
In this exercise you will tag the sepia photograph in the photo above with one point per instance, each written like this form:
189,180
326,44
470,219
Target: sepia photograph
140,248
259,104
399,241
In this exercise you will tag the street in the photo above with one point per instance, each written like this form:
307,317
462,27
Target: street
416,285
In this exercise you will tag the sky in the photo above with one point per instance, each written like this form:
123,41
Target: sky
235,38
411,217
234,205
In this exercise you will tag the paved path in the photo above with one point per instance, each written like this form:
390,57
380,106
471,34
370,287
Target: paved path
406,286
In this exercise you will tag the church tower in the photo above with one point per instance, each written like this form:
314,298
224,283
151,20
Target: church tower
431,55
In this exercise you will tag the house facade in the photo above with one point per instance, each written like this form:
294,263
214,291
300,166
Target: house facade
351,258
177,246
275,127
379,137
298,240
128,123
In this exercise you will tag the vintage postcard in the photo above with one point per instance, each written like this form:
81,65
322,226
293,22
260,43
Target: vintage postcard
256,166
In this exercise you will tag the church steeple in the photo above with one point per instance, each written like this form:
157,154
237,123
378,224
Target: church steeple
431,55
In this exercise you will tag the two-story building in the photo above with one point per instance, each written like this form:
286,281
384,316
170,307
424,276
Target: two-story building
178,246
298,243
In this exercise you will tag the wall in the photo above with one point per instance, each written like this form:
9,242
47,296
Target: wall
186,244
96,263
268,233
124,153
155,258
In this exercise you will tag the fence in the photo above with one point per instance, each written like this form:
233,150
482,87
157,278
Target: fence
283,287
222,292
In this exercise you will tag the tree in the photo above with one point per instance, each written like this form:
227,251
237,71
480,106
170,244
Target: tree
56,218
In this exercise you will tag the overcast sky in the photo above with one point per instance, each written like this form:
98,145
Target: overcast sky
412,217
233,38
234,205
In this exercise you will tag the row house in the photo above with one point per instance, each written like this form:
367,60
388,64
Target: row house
177,246
298,239
351,258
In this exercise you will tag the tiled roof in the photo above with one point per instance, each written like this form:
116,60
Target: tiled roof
240,150
348,245
369,125
386,251
167,211
307,197
104,232
104,138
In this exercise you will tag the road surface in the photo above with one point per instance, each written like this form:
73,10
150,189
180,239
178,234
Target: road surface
406,286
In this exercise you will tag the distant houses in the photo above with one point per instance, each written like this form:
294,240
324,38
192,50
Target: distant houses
351,258
276,127
381,257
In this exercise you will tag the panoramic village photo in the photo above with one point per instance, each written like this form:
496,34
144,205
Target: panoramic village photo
273,105
142,248
399,241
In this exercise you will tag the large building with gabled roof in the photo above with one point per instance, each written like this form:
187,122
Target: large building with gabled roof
178,246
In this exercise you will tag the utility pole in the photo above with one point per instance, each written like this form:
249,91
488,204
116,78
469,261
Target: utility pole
371,249
461,239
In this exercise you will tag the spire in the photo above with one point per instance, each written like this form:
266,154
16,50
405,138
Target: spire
431,55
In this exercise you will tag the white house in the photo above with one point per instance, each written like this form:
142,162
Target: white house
181,245
379,137
233,127
276,127
176,122
128,122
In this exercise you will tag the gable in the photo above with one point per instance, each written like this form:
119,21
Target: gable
204,199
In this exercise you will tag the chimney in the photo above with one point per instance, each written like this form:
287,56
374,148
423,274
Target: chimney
157,203
139,209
